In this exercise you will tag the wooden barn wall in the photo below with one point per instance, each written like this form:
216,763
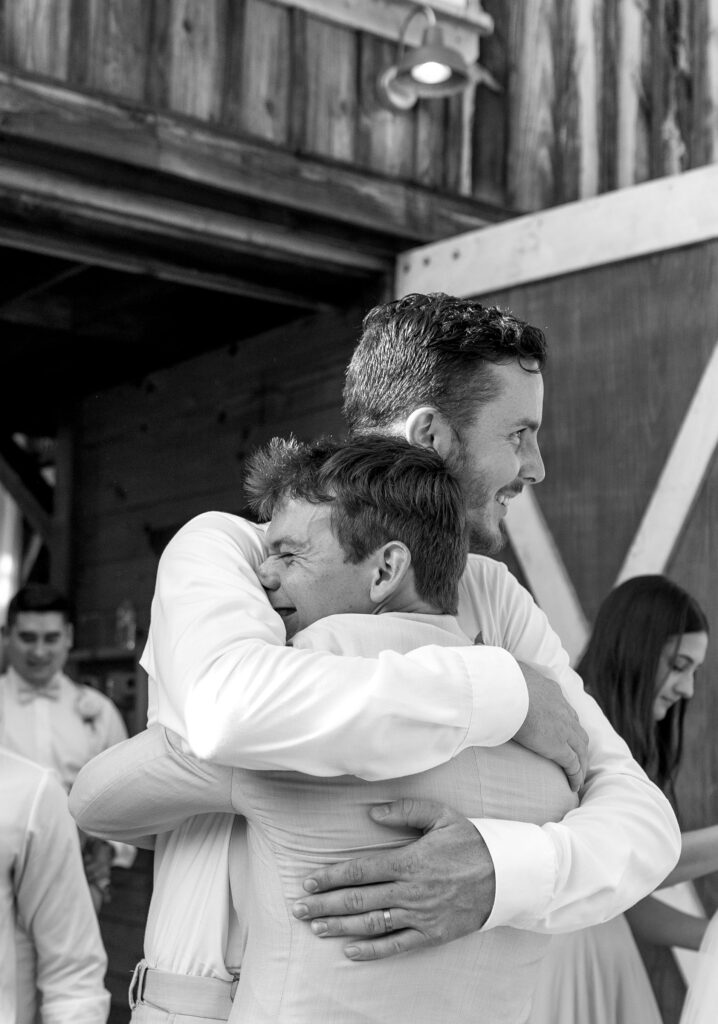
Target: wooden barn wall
598,94
247,67
594,94
627,346
152,455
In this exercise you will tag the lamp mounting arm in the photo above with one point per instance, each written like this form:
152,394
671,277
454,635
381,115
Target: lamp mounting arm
418,9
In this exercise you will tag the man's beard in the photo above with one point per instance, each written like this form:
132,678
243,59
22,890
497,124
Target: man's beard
485,538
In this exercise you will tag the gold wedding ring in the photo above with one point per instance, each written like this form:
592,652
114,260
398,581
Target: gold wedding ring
388,926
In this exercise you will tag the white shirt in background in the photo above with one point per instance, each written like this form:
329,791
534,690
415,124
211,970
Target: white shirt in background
43,889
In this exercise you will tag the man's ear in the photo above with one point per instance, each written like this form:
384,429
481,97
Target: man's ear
429,428
70,633
392,563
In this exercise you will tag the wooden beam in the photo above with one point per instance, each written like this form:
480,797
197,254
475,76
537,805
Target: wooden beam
653,217
679,482
64,246
462,23
70,121
545,572
93,205
21,479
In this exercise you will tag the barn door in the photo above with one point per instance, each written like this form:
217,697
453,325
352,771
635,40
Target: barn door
626,287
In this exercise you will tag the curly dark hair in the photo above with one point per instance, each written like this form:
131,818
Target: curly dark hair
433,350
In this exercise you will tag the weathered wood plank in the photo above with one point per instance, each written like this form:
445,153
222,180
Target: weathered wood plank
118,47
159,56
38,36
259,72
196,36
385,138
38,112
587,86
628,86
493,112
709,118
331,70
565,144
433,144
461,24
622,225
530,184
77,202
607,38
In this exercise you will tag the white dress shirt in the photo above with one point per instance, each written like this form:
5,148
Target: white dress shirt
61,725
295,822
43,889
221,677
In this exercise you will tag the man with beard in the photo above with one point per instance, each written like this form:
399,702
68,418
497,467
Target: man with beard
465,380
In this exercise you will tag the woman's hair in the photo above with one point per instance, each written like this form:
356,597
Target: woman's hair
620,665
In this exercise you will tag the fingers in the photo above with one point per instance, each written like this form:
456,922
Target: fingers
421,814
574,771
390,865
382,867
345,903
369,925
390,945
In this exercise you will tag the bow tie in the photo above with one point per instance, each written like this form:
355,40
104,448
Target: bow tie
26,692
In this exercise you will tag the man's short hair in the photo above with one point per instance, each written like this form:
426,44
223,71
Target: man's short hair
38,597
433,350
380,489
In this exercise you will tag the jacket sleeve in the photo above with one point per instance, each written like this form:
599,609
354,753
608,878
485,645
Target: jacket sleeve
227,683
145,786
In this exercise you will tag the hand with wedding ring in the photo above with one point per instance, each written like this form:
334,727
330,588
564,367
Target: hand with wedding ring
435,889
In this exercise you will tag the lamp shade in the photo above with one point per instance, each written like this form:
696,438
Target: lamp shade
433,69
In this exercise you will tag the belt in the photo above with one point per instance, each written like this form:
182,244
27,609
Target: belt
182,993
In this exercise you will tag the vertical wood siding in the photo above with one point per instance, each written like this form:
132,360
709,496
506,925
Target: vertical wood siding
595,96
628,344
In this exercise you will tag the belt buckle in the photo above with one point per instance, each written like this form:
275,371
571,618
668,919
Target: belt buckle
137,984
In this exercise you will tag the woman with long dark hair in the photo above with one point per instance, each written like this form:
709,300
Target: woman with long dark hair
649,640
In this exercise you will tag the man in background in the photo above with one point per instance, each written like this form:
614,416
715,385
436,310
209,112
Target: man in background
48,717
44,897
59,724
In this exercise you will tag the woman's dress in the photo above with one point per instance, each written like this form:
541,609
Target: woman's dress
701,1005
595,976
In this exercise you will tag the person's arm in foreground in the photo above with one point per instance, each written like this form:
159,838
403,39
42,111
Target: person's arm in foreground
56,911
614,849
699,856
145,786
228,684
656,923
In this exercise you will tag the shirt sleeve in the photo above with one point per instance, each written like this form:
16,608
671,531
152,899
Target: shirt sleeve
56,911
145,786
124,854
622,839
227,683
